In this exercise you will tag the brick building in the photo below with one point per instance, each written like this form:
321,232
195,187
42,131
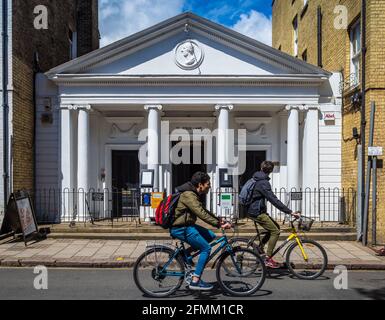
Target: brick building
71,31
328,33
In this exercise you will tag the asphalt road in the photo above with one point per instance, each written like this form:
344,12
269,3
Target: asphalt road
96,284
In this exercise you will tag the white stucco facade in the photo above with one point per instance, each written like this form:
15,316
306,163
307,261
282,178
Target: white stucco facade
192,74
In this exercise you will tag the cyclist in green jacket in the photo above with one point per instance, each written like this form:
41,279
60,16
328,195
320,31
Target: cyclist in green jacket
184,228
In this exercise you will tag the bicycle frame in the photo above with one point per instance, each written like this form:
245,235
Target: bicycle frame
223,241
292,236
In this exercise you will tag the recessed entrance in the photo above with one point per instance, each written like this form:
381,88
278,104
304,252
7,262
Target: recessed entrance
182,173
254,160
125,182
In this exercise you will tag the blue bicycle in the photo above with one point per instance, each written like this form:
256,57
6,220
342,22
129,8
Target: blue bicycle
160,270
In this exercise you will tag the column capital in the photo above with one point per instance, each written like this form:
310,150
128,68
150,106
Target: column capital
148,107
293,107
86,107
66,107
303,107
224,106
311,107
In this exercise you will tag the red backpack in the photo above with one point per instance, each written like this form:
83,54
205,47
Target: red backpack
165,212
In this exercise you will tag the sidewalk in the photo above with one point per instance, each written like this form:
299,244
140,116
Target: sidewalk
120,254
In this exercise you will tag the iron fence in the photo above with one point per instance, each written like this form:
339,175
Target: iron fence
61,206
323,204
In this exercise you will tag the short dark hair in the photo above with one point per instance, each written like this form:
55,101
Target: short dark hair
199,177
267,167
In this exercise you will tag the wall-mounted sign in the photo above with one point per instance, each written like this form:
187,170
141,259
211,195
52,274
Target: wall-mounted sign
146,199
156,199
147,178
226,200
225,179
329,116
97,196
375,151
296,196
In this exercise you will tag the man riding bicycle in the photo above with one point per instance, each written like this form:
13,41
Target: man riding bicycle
258,211
184,227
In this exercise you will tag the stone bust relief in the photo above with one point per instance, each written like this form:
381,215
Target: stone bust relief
188,55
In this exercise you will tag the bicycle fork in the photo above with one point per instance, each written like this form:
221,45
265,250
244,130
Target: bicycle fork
304,255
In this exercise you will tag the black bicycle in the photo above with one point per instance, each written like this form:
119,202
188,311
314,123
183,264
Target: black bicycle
160,270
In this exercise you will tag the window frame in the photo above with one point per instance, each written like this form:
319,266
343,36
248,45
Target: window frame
355,57
295,36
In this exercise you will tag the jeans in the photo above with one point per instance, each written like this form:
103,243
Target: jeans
199,238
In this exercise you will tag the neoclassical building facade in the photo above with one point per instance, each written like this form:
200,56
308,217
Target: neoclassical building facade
184,75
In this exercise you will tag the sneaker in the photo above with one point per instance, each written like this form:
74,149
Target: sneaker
200,285
270,263
380,253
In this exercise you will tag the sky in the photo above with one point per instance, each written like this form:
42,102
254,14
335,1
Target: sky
121,18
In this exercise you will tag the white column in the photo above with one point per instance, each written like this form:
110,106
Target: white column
83,159
222,149
311,149
66,163
310,173
222,140
293,148
153,144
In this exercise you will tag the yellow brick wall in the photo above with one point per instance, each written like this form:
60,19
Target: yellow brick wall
53,47
22,122
336,58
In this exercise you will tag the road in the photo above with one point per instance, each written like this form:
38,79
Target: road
96,284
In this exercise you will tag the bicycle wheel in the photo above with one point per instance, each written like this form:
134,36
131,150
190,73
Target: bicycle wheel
151,279
241,272
313,267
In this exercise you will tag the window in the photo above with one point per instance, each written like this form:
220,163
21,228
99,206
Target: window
295,37
304,56
355,44
72,38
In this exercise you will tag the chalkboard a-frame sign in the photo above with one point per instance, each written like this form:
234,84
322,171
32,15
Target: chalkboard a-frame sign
20,217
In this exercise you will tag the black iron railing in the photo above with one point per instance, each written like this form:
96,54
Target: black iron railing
59,206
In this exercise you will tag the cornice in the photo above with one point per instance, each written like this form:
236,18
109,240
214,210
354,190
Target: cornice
180,81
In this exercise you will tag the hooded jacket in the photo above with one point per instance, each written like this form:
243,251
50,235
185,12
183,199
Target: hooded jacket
262,191
190,207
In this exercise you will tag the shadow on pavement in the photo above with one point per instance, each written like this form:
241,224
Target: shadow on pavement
214,294
376,294
279,274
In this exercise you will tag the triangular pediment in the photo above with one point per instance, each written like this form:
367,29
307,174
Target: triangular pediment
187,45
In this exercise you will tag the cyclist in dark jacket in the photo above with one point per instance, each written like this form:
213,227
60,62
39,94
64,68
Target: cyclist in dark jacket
258,210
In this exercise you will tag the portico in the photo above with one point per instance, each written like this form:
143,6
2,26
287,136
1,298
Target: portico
141,95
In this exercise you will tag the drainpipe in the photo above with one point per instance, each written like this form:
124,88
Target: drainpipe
363,119
36,70
5,99
319,35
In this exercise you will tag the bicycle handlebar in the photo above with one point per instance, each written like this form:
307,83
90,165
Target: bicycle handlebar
295,219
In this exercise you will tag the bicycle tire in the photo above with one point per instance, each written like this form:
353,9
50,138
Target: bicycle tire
222,284
291,264
139,285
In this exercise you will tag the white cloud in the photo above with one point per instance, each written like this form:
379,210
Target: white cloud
255,25
121,18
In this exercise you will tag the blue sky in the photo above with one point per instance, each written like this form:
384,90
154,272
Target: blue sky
121,18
